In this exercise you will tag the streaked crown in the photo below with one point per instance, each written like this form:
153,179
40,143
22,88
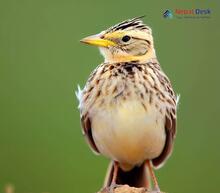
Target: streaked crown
130,24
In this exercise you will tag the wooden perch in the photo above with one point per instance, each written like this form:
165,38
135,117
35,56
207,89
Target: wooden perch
127,189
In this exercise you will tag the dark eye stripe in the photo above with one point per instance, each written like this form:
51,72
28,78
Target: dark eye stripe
142,39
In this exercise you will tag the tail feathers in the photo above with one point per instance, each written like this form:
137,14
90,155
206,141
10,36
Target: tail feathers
137,177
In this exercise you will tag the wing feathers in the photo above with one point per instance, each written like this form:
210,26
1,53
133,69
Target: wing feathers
87,131
170,128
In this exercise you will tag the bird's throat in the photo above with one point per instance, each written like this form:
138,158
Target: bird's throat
114,57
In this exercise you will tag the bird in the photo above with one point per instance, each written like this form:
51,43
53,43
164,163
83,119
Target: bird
128,108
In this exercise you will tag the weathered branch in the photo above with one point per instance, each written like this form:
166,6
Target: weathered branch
127,189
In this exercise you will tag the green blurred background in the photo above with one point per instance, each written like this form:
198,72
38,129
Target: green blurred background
41,63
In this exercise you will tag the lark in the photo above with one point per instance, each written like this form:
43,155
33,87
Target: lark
128,107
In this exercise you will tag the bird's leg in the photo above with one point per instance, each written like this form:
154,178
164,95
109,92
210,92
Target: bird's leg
153,177
114,177
115,172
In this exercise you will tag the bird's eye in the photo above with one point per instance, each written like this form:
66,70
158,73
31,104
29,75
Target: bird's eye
126,38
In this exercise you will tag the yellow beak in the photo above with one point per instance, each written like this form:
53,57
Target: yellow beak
95,40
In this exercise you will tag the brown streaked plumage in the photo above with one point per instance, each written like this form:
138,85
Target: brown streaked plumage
128,106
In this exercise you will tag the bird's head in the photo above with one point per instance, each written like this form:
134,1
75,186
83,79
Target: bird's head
129,40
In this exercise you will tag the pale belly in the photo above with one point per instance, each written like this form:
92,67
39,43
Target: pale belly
129,134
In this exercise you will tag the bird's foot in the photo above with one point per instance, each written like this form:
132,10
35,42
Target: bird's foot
112,187
156,190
